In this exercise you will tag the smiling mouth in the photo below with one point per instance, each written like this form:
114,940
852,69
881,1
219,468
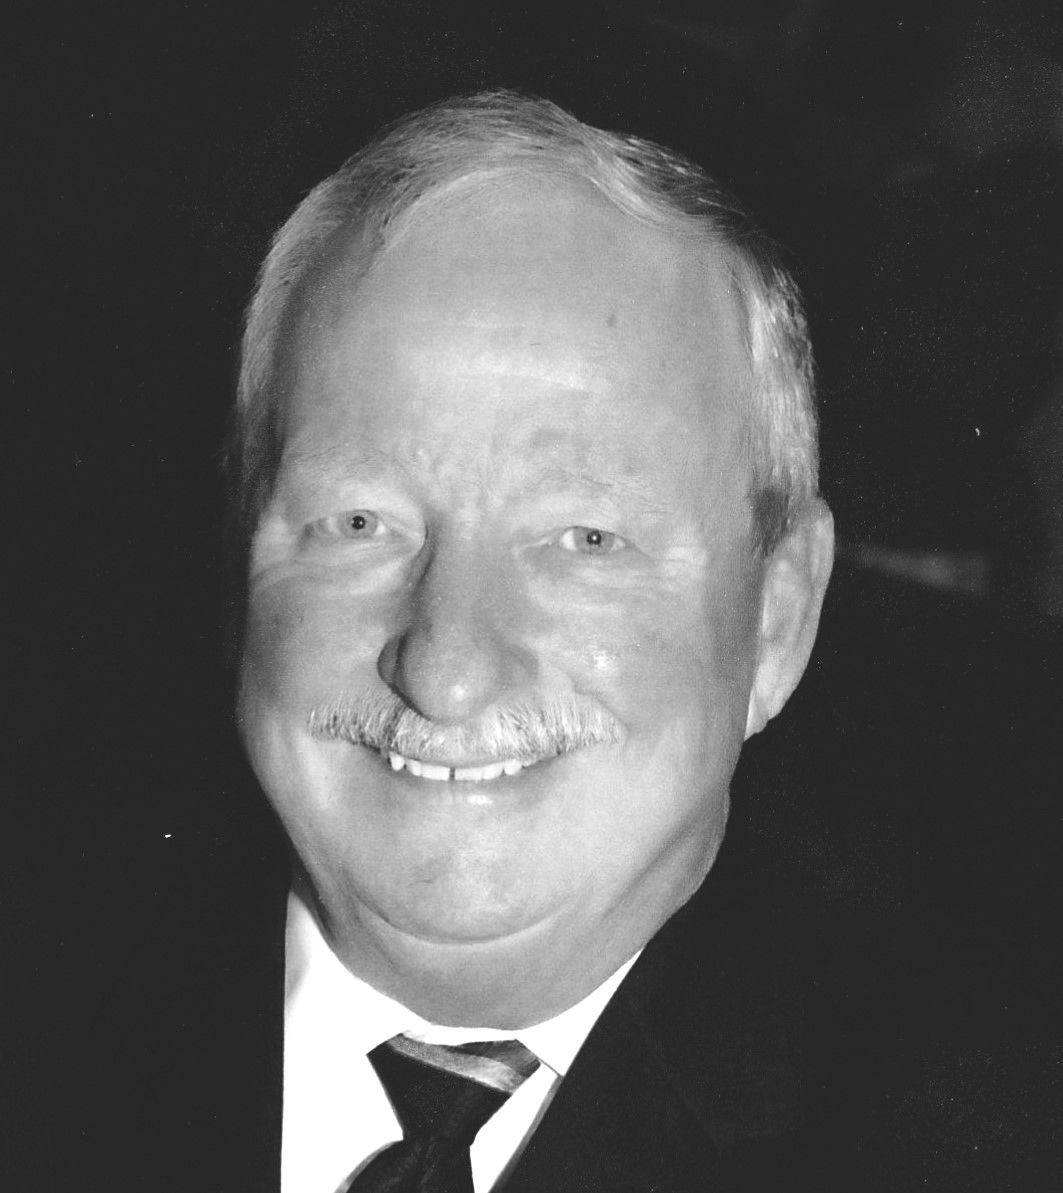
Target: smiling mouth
457,774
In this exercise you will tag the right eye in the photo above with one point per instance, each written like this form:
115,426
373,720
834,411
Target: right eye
358,525
591,540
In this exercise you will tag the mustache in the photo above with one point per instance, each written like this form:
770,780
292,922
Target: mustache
525,730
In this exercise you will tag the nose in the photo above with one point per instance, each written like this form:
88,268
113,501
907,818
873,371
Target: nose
455,652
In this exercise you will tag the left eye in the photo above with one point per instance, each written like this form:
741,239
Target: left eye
590,540
351,524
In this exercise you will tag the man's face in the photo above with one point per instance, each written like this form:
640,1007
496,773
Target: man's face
513,476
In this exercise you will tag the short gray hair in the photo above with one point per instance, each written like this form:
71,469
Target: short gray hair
499,133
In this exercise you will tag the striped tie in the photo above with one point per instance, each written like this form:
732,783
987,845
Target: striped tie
442,1096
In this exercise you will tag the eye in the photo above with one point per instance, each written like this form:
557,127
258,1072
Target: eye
590,540
351,524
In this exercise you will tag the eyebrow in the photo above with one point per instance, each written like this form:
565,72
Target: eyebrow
336,462
340,463
631,490
583,480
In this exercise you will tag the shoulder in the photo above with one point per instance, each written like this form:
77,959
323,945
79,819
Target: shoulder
835,1003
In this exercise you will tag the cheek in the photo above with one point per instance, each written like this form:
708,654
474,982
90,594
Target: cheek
660,658
303,644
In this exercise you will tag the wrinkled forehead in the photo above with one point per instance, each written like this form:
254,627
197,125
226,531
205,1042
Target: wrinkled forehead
489,245
525,276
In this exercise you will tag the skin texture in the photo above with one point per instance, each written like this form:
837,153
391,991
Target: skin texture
521,362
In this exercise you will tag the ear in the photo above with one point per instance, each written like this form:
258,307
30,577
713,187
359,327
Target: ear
792,587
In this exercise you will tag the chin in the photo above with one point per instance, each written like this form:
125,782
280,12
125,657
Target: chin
463,926
455,911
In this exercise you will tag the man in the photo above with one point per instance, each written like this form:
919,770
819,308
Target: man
527,475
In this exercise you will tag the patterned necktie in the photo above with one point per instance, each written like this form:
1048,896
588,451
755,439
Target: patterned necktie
442,1096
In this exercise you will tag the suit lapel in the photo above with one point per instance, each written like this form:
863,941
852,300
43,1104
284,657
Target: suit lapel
691,1079
616,1122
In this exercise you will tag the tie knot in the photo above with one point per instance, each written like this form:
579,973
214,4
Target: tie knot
448,1092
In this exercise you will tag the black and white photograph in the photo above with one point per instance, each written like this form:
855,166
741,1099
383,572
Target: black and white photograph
536,557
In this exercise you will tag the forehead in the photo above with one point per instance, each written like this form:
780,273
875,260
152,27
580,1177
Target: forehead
532,296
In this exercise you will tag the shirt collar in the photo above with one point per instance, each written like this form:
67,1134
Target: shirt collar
319,986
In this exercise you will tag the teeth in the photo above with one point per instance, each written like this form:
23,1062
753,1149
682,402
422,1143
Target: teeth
426,770
477,774
466,774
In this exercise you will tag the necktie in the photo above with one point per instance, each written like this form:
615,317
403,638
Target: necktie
442,1096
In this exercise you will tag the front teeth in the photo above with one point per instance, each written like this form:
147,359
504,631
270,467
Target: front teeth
466,774
477,774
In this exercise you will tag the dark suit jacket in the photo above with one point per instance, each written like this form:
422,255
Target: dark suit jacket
771,1037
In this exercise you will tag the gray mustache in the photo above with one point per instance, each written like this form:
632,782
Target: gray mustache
521,730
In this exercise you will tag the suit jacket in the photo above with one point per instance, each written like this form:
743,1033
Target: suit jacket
769,1038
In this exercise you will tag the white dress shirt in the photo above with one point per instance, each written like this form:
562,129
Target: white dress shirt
336,1114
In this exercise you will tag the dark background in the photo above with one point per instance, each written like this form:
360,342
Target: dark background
910,157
